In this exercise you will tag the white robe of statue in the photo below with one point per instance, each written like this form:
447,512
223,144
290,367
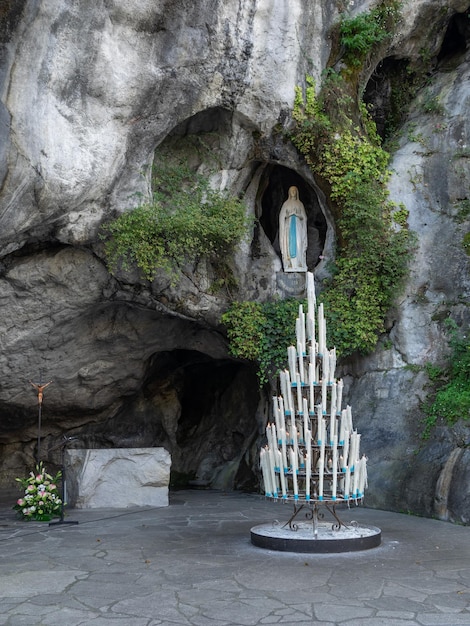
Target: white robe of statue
293,233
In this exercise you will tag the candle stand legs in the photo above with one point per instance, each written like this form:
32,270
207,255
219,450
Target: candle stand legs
314,514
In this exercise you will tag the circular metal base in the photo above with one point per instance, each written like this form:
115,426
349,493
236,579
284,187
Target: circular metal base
325,541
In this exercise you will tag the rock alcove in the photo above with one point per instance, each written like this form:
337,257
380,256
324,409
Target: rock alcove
274,185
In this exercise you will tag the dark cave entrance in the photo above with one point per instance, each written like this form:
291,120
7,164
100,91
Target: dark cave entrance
203,411
274,186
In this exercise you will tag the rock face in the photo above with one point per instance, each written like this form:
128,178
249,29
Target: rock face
90,92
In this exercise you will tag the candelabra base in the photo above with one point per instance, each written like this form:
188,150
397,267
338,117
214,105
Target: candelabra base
321,539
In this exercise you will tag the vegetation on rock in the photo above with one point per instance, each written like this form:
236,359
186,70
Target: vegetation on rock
451,398
186,219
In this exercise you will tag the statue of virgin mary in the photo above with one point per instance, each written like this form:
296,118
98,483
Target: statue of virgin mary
293,233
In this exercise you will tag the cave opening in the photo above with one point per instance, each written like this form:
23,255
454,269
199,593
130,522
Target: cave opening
388,94
456,38
274,186
202,410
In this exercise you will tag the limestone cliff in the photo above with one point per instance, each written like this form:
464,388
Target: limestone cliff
91,91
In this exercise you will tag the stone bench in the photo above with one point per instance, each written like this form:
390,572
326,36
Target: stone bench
117,477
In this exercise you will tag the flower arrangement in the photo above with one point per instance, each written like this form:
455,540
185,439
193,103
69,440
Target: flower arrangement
41,500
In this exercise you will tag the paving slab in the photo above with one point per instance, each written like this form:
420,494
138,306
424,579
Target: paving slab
193,564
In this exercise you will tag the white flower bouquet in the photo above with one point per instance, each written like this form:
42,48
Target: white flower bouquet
41,500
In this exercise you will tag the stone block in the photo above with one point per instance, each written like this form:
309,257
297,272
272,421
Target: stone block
117,477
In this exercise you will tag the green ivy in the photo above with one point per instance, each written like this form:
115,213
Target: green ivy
372,253
360,34
262,332
186,219
451,398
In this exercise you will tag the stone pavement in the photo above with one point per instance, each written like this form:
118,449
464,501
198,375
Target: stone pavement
192,564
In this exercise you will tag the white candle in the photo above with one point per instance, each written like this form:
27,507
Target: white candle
299,395
326,366
301,366
342,428
323,395
292,358
282,422
346,448
335,467
273,473
266,472
332,363
302,329
308,463
285,466
333,400
311,298
321,468
282,476
290,402
311,394
349,423
293,462
319,428
339,394
323,441
295,441
276,413
321,347
347,482
332,428
306,417
283,383
355,480
362,483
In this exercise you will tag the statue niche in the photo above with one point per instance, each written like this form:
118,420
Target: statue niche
293,238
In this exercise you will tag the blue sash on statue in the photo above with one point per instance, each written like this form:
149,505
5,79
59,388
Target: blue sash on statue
293,236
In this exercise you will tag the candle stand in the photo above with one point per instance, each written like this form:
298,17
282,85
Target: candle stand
312,458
